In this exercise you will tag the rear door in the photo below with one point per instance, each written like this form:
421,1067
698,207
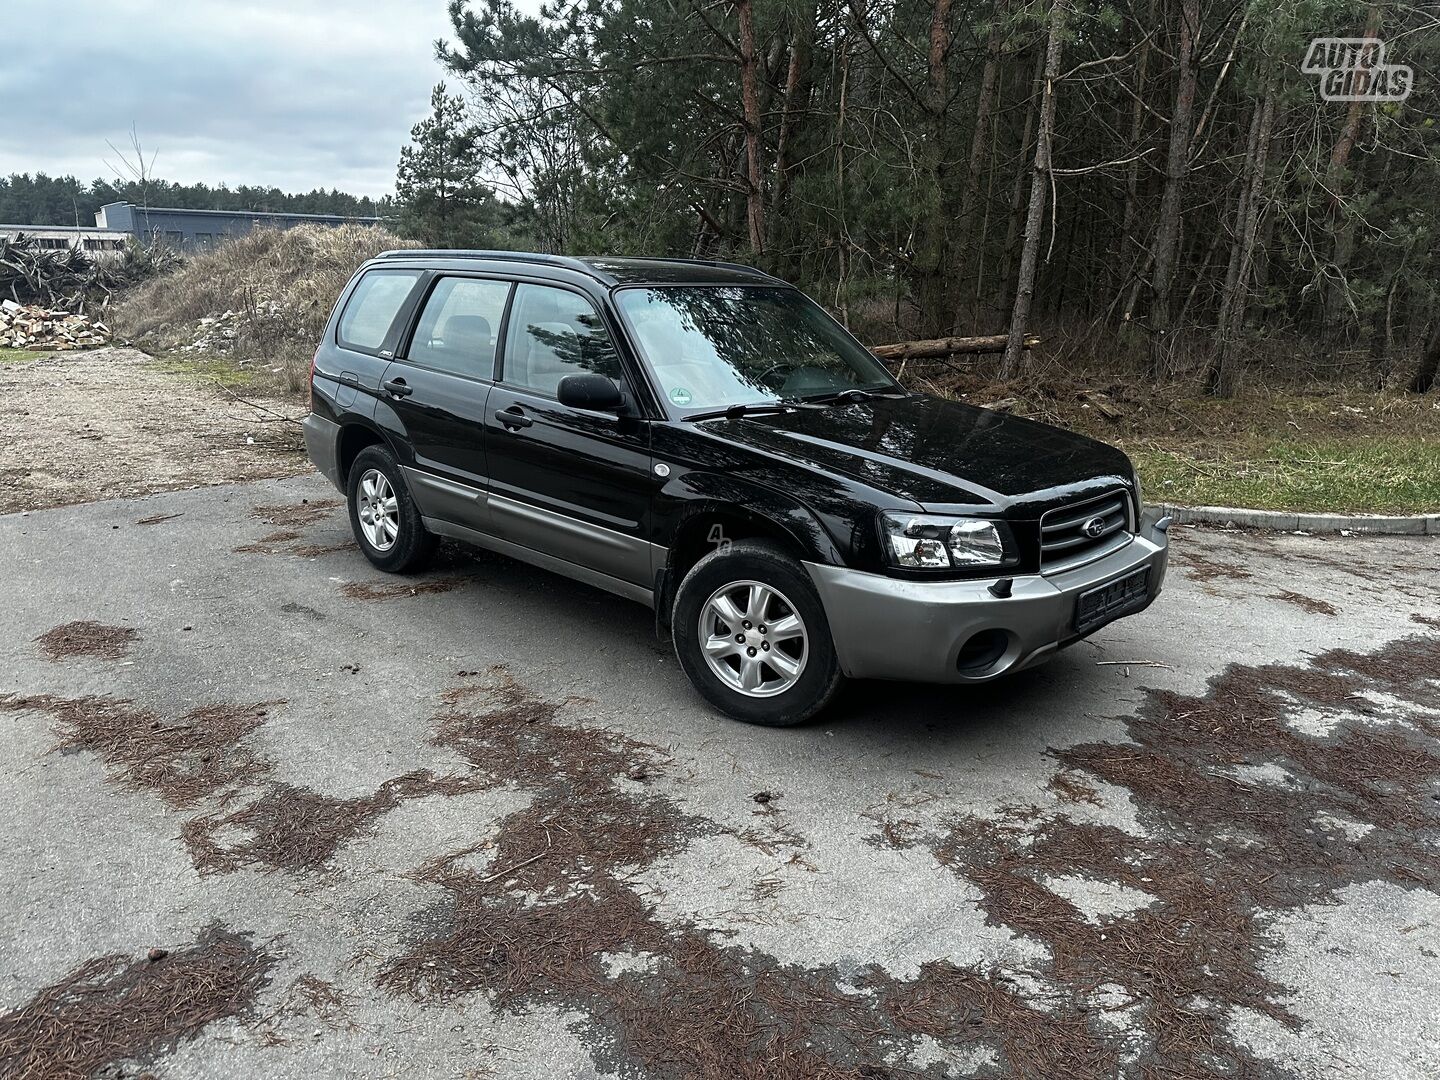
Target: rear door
438,387
570,483
349,369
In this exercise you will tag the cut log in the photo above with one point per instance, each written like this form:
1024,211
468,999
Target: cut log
1103,404
946,346
1005,405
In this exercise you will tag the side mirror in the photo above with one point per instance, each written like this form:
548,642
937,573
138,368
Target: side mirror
596,392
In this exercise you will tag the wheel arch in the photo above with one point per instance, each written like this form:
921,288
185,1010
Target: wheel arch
355,436
747,512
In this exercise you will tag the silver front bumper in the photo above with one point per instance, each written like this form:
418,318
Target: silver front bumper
890,628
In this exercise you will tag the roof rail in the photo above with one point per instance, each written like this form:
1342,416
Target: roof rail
592,266
480,253
718,264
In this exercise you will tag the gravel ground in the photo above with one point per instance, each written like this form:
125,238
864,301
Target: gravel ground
108,423
272,813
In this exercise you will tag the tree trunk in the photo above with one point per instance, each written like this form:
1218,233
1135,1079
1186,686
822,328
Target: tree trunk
1223,377
1039,180
795,78
1429,365
933,255
842,276
976,166
1128,241
750,107
1005,280
1177,169
947,346
1342,224
1237,229
935,60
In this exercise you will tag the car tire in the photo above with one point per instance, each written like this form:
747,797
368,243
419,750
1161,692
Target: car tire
376,482
776,664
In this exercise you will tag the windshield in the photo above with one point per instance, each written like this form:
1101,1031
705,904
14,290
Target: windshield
715,346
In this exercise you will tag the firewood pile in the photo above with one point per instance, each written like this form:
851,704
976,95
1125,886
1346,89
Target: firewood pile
45,330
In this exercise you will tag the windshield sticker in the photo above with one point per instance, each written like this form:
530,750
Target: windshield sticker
680,396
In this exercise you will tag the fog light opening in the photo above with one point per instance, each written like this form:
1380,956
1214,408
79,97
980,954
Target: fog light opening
982,651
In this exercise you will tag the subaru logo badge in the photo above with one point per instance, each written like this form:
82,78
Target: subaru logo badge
1094,527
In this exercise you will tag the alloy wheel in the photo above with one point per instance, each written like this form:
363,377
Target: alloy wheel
378,509
753,639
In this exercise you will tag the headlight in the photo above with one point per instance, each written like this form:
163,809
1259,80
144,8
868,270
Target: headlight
1139,498
932,542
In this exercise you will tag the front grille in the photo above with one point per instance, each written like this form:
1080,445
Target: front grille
1064,540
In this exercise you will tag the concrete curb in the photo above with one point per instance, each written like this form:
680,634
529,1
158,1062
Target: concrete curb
1369,524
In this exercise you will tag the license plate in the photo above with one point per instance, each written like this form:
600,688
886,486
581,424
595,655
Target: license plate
1109,601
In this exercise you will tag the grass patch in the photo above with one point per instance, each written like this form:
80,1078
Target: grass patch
18,356
210,367
1306,449
1317,448
1366,475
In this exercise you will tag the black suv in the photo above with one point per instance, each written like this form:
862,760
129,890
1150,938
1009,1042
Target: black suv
702,438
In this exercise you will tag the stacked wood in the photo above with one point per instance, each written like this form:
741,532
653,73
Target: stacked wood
946,346
45,330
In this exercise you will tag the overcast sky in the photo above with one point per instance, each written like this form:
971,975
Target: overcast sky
296,93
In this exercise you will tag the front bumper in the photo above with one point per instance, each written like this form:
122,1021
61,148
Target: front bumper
893,628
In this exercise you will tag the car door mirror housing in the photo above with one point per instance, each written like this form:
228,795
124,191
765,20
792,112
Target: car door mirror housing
591,391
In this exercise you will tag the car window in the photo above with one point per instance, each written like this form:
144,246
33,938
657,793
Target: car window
554,333
458,326
711,346
372,307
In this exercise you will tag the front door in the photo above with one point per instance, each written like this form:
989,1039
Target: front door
570,483
439,388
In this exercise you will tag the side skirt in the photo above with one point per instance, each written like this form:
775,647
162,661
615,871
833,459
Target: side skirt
638,593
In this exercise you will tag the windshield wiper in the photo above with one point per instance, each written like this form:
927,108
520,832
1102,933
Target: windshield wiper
734,412
854,393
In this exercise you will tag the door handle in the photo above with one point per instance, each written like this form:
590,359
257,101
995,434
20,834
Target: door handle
513,418
398,387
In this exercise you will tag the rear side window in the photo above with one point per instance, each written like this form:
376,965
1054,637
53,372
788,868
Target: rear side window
372,307
458,327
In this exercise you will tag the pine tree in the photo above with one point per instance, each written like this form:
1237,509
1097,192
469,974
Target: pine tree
442,199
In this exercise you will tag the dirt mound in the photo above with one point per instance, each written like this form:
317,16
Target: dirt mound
273,288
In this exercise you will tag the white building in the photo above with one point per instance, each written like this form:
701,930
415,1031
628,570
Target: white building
91,239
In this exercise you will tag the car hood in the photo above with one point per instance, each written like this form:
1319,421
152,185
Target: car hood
934,451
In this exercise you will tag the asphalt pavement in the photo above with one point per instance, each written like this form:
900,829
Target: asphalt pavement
477,824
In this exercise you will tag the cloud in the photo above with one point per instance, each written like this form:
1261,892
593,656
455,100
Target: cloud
296,93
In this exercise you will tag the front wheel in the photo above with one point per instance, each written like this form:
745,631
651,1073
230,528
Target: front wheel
752,636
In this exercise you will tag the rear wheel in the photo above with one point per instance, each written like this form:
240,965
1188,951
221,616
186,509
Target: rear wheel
385,520
751,634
